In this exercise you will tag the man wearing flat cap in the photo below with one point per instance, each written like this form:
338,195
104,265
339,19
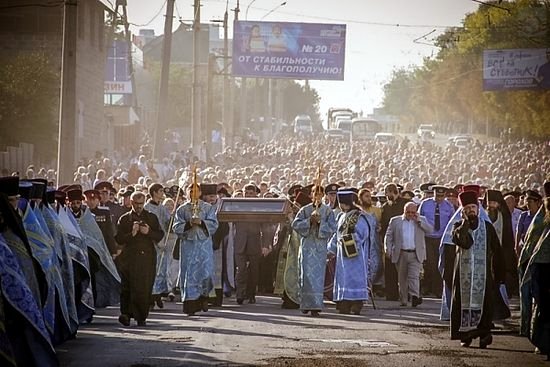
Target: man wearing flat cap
330,196
438,213
479,256
534,202
102,216
452,197
105,188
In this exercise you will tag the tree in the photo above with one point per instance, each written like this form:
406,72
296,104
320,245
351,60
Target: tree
29,103
448,90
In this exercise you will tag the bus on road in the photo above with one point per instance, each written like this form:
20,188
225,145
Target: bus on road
364,129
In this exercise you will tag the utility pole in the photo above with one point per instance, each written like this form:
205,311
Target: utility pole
227,95
269,113
164,76
196,100
242,117
210,122
66,156
128,39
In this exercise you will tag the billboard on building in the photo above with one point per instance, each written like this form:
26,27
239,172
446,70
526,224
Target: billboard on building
289,50
510,69
117,69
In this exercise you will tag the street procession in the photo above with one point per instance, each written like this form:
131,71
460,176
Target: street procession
210,206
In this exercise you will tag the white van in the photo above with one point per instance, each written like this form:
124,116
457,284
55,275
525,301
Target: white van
302,125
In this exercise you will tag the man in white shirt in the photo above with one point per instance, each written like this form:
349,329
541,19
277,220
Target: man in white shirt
405,243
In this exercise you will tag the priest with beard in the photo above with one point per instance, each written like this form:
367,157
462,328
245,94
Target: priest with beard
478,271
500,216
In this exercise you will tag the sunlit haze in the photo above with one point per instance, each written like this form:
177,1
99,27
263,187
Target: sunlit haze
380,35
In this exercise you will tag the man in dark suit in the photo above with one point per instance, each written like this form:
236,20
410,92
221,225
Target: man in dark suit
393,207
406,246
248,248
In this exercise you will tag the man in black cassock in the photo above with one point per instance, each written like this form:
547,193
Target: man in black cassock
502,221
138,231
478,272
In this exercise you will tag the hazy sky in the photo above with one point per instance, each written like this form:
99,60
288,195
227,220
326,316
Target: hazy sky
375,45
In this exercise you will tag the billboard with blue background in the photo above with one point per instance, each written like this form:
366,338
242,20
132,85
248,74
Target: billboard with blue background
510,69
289,50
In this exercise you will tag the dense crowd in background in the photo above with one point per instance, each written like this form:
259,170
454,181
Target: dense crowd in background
287,160
127,231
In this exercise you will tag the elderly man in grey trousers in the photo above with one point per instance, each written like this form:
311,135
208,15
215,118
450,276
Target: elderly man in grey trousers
405,243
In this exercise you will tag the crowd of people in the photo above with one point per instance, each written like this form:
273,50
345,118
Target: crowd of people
401,221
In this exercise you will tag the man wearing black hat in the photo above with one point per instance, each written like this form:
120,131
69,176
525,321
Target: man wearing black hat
479,256
501,218
330,195
74,197
25,339
438,213
105,188
104,275
102,216
351,244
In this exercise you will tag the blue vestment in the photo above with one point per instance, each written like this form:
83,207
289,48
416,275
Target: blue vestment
351,275
196,253
313,253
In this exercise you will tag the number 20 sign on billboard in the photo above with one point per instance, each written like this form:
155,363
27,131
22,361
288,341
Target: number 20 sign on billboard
289,50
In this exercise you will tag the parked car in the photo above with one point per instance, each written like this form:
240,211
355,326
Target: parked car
426,131
462,143
344,125
302,125
465,137
385,138
336,135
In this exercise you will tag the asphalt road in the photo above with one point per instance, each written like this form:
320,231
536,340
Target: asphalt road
265,334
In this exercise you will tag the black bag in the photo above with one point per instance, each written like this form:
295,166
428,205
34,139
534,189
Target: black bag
176,251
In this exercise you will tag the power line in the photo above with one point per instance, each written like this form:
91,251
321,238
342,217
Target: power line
381,24
177,11
38,5
152,19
